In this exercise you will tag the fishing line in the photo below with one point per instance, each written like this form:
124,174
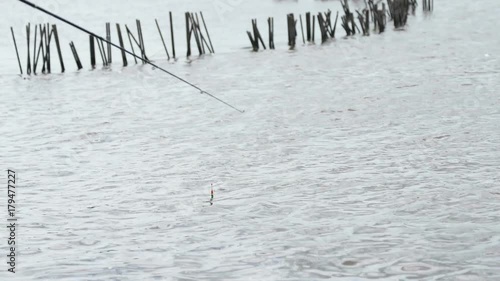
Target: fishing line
132,54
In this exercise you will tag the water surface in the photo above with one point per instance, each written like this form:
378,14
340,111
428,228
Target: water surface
366,158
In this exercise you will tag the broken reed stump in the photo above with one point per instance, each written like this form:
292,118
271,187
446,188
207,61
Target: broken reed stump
335,25
193,29
141,41
313,27
162,40
75,55
203,36
92,51
48,37
328,21
399,12
379,17
302,29
138,43
40,47
253,39
256,38
385,13
364,21
292,31
104,55
188,34
256,29
43,38
413,5
28,66
324,23
345,17
348,19
102,51
17,51
58,46
122,45
172,33
270,23
34,49
367,22
208,34
308,26
196,26
130,40
41,51
427,5
323,28
108,38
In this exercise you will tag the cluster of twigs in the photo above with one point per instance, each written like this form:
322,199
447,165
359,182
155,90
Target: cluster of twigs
41,47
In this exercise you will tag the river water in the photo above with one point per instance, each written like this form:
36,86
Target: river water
366,158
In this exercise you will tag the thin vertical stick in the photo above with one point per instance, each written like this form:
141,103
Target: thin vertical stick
335,24
105,56
202,38
367,22
308,26
42,36
141,40
101,50
172,33
195,31
92,51
28,33
17,52
56,37
302,28
353,23
314,27
138,44
131,45
206,30
253,38
75,55
328,16
271,33
120,39
188,34
48,37
384,11
34,50
272,27
289,26
40,48
162,40
252,41
108,37
258,36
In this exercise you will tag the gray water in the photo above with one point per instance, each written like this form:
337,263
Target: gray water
367,158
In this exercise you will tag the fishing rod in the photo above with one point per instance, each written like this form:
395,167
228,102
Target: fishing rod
125,50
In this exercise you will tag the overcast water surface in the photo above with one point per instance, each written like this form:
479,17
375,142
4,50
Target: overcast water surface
366,158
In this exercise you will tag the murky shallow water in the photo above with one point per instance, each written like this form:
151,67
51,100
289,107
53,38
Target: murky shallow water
365,158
